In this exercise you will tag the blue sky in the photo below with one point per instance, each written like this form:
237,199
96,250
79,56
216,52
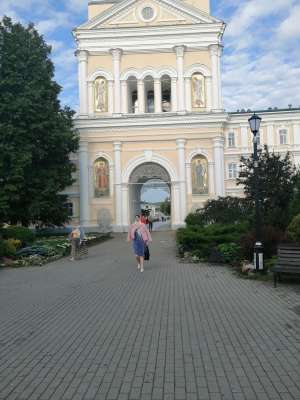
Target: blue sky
261,60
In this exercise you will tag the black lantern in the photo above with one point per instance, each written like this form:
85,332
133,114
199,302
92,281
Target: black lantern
254,123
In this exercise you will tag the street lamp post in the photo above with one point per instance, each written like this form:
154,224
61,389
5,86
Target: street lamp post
254,123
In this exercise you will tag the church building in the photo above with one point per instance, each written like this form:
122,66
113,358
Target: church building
151,110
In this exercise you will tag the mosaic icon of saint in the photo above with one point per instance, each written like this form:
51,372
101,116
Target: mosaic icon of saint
101,178
100,95
198,91
199,175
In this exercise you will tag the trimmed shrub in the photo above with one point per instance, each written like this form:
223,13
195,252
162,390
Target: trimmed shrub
224,210
293,230
200,241
25,235
231,252
7,249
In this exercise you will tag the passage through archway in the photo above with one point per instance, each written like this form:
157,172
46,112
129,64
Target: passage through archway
150,193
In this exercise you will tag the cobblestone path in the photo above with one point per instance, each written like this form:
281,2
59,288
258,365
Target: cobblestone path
99,329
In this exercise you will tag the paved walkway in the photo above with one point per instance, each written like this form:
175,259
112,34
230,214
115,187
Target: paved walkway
99,329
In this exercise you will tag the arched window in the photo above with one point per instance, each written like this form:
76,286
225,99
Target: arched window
132,95
166,93
199,170
149,94
101,177
198,91
100,95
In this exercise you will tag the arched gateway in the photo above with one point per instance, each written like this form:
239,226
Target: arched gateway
150,175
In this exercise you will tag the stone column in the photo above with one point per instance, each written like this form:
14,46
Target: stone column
91,98
82,57
189,178
188,94
211,178
116,54
157,96
110,97
244,139
215,54
180,81
208,93
182,177
141,96
296,134
124,97
174,94
84,183
125,218
118,188
175,210
219,166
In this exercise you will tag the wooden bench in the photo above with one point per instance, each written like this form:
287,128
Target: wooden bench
288,261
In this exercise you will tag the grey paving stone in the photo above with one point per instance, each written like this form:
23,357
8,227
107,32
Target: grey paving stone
99,330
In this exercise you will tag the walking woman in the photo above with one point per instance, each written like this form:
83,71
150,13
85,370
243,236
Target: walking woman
140,237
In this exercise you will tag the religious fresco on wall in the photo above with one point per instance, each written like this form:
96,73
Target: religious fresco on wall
199,169
100,92
101,177
198,91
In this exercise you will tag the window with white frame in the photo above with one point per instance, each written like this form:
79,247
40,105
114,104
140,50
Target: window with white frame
231,139
282,136
232,170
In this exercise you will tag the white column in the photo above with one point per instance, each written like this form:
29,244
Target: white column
220,78
296,134
82,57
91,98
189,178
188,94
110,97
270,134
244,138
180,82
157,96
141,96
211,178
215,54
118,188
116,54
182,177
124,97
174,94
84,183
208,93
125,218
219,166
175,210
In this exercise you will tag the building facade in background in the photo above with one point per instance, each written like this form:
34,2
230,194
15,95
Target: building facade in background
151,109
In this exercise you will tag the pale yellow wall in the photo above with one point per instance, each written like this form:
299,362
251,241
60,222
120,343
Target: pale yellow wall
203,5
197,57
148,60
96,9
97,62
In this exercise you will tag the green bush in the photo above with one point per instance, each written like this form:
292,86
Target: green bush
25,235
7,249
231,252
293,230
200,241
224,210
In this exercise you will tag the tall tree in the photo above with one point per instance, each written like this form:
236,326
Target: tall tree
277,176
36,133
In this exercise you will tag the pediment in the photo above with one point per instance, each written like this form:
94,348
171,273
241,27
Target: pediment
139,13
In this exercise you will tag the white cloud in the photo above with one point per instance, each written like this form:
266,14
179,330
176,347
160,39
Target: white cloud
290,27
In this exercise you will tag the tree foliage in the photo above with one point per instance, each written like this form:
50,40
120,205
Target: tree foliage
36,133
224,210
277,176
